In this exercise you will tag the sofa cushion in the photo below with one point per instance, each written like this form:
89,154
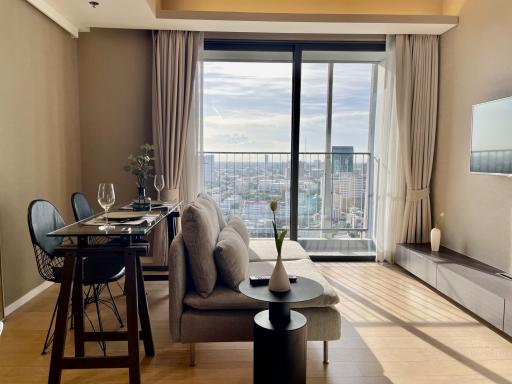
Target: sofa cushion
240,227
222,297
231,257
225,298
220,215
200,228
237,325
265,250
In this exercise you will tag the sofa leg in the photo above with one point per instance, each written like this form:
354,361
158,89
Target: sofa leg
192,355
326,352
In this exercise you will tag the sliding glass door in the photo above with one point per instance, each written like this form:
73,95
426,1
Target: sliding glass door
247,99
336,145
291,122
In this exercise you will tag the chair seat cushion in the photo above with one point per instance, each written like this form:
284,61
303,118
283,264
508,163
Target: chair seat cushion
223,297
265,250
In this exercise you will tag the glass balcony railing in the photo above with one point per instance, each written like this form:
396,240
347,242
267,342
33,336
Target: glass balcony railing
333,191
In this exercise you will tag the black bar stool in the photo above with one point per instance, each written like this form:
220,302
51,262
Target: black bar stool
43,218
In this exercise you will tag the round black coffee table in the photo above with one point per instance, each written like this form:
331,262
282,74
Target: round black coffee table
280,334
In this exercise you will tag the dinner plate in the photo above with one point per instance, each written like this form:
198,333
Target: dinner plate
125,215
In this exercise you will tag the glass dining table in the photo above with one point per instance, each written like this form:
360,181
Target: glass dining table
124,240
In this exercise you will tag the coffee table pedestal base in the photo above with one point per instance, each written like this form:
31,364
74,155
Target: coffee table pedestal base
280,351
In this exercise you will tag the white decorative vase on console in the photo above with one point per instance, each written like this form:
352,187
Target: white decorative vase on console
435,235
435,239
279,281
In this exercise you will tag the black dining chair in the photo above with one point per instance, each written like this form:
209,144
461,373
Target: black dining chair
43,218
81,207
82,210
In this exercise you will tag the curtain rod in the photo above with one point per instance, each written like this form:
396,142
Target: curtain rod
291,36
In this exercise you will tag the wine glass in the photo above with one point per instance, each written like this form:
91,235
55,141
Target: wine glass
106,198
159,185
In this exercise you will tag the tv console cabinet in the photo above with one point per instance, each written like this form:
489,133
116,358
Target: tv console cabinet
476,286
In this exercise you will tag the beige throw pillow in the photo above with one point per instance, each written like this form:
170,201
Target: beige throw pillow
239,226
231,257
220,215
200,229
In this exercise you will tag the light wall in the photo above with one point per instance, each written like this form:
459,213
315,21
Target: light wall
39,130
115,105
476,62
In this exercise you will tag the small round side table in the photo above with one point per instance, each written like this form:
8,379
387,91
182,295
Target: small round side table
280,334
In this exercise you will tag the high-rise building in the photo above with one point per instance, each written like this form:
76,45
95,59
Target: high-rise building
344,162
208,164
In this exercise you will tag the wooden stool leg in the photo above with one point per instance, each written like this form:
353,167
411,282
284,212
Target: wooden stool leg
145,324
132,321
192,355
77,305
59,340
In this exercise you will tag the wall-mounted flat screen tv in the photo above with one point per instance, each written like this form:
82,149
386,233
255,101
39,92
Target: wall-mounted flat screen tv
491,138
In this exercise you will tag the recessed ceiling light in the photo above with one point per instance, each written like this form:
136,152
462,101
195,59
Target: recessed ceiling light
94,3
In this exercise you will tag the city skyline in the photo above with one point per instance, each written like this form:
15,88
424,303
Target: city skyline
244,184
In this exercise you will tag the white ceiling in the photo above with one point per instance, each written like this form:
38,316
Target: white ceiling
78,15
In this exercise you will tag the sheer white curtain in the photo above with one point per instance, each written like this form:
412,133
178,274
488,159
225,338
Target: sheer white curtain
390,183
192,178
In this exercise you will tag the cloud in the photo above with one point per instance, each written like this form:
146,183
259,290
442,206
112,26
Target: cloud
247,106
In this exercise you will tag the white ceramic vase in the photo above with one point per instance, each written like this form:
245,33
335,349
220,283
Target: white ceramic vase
279,281
435,239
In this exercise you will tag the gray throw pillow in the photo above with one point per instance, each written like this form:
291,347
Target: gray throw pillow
220,215
231,257
200,229
239,226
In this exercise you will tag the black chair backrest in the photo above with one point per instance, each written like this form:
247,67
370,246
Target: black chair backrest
81,207
43,217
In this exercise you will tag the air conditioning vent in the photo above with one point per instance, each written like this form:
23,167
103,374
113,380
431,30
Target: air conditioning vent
505,275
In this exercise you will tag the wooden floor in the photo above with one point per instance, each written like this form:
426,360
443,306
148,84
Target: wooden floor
394,330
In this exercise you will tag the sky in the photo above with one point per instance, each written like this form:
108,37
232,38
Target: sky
247,106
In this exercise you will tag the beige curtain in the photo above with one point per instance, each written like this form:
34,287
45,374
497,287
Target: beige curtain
417,62
175,61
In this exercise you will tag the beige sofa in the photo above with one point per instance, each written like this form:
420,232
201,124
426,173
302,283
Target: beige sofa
227,315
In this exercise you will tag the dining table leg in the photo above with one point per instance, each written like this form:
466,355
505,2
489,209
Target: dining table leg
172,225
59,340
132,321
145,324
77,305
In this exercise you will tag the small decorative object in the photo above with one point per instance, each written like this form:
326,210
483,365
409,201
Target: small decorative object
140,166
279,281
435,234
